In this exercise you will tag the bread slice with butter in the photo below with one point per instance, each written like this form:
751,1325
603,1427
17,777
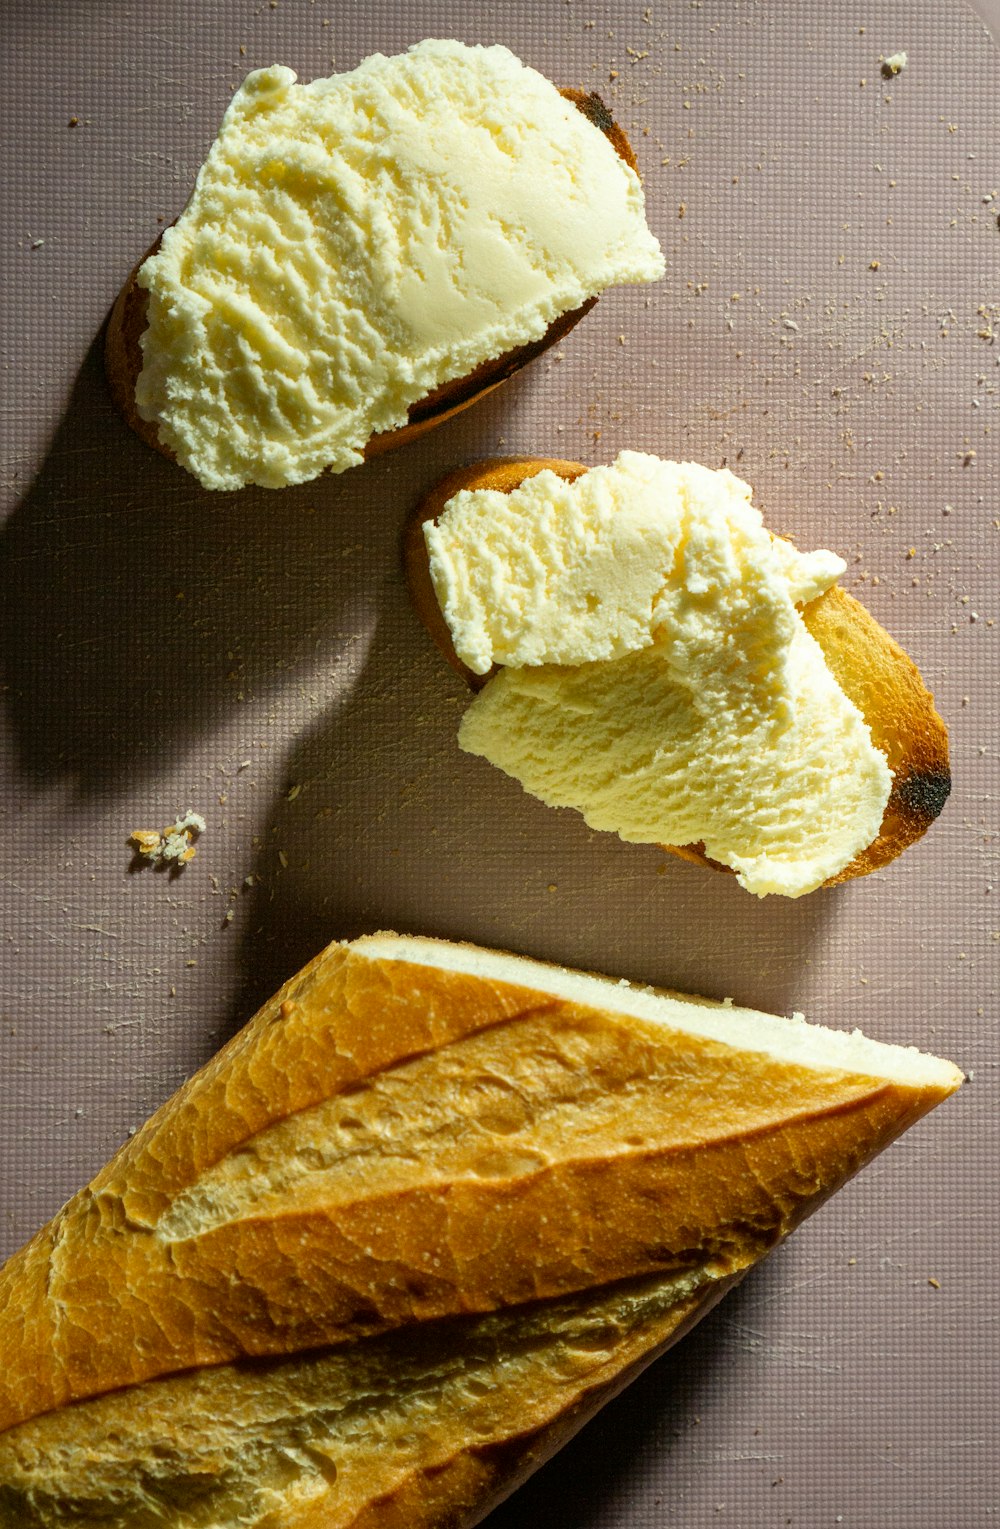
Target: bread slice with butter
558,725
406,1232
364,256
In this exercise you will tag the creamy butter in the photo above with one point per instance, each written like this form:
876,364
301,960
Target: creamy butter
355,242
679,699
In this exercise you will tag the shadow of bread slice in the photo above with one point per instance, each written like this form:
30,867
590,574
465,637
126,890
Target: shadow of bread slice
869,665
127,322
406,1231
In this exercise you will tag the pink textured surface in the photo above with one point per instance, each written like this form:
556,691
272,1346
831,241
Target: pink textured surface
166,649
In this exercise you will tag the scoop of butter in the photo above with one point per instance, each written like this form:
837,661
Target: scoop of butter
658,676
353,243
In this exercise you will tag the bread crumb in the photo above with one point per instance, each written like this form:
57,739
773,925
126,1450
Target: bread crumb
893,65
174,845
935,1284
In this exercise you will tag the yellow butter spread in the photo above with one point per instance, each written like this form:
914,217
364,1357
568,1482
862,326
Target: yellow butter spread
658,676
355,242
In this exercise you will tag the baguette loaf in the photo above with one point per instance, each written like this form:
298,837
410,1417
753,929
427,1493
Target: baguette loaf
123,356
869,665
395,1243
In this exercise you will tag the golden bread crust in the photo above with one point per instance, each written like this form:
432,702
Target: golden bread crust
869,665
127,323
452,1212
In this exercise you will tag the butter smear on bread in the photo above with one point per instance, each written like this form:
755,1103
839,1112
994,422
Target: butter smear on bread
657,675
356,242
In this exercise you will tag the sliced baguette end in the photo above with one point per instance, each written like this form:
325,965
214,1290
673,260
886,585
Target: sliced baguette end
131,1336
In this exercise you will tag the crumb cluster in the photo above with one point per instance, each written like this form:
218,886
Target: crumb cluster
174,845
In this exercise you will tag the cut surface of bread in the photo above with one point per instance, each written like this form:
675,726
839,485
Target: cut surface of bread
123,357
406,1232
869,665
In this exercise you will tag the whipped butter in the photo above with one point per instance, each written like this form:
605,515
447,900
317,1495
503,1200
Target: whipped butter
657,674
353,243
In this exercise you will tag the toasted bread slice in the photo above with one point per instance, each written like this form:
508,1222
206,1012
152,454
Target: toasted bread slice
127,322
869,665
407,1231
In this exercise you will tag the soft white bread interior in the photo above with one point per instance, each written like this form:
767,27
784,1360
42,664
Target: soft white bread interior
390,1247
868,664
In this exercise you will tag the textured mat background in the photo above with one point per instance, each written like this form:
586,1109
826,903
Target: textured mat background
829,327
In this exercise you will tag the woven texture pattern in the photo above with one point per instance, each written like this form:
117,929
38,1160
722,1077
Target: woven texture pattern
829,327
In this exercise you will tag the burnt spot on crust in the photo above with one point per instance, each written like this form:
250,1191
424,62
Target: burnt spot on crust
595,111
923,794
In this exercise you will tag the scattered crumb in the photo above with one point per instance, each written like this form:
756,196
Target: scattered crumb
73,122
174,845
935,1284
893,65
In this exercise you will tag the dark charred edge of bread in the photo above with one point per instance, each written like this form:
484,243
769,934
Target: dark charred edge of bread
127,323
869,665
885,685
594,109
123,354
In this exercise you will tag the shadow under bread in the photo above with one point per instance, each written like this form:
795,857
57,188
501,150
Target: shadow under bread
139,608
579,1486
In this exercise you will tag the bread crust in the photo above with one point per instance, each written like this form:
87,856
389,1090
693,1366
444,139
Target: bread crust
626,1184
126,324
869,665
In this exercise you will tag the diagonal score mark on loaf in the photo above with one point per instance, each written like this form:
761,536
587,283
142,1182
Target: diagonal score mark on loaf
370,1423
364,1161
